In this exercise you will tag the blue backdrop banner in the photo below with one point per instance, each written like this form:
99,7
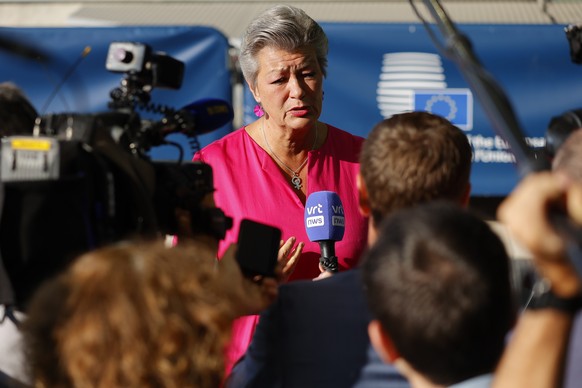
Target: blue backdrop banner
376,70
203,50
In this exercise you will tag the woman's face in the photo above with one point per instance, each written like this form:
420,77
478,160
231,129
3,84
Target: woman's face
289,86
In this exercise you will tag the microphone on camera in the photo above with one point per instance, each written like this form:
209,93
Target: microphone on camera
325,224
195,119
209,114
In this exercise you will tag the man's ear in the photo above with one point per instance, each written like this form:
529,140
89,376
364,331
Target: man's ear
466,196
382,342
364,204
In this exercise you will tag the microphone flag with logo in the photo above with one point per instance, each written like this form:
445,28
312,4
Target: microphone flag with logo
325,224
208,114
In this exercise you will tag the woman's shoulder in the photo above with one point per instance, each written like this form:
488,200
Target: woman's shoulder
229,143
344,137
232,137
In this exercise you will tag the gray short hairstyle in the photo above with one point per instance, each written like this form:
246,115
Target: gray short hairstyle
284,27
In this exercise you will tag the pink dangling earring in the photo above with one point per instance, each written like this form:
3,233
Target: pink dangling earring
259,112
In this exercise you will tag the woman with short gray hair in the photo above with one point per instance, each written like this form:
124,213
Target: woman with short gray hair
288,28
267,169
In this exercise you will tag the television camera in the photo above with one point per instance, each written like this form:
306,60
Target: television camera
84,180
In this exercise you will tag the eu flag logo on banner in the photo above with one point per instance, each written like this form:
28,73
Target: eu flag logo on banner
456,105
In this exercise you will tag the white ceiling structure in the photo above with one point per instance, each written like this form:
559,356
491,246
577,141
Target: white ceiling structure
231,17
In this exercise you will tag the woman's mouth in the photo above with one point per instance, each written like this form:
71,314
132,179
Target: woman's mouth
299,111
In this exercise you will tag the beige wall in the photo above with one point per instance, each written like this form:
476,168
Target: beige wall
232,16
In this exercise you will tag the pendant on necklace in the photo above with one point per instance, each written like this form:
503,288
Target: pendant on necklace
296,181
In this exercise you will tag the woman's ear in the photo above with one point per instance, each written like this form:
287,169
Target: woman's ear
381,342
255,92
364,203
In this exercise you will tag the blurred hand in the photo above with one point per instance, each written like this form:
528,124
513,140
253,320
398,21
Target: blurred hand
526,212
288,258
248,296
185,232
324,273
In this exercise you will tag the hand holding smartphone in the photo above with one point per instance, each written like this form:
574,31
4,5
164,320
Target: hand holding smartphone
258,248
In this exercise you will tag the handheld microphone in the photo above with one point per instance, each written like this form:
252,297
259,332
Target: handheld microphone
325,224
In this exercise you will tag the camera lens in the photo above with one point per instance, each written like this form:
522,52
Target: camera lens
123,55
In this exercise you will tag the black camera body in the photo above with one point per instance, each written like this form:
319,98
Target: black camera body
85,180
160,69
574,36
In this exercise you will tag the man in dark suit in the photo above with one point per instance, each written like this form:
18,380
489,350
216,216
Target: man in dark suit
315,335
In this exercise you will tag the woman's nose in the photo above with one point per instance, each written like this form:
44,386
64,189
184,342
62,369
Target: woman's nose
296,88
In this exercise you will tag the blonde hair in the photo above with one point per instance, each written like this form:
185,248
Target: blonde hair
131,315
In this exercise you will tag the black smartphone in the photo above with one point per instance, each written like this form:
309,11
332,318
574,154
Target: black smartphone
258,248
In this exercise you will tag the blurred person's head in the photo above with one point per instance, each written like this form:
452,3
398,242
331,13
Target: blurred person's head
437,281
568,158
411,158
131,315
17,115
559,129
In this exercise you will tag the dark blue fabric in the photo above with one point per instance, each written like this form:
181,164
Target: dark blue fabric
8,382
314,335
573,371
377,374
203,50
528,69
